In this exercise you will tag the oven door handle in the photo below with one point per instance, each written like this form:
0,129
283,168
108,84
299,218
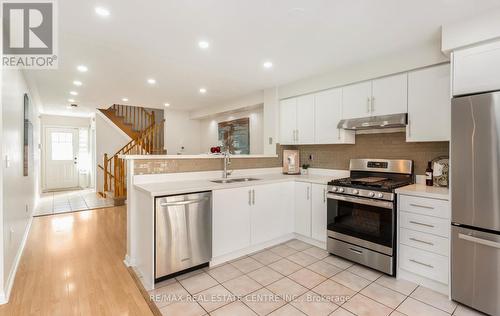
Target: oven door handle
377,203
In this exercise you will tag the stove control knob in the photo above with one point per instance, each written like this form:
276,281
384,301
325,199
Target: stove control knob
355,191
371,194
341,190
380,195
334,189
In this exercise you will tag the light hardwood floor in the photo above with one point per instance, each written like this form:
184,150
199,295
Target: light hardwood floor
73,265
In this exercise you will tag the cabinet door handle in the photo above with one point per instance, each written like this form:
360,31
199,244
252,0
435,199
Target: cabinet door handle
324,195
422,264
368,105
253,197
249,197
307,195
373,104
422,206
422,241
422,224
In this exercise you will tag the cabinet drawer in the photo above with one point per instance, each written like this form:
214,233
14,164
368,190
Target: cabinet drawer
428,242
423,263
425,224
425,206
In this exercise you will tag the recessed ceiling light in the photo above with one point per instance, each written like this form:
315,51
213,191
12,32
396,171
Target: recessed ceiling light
166,104
203,90
267,65
203,44
125,99
77,83
102,11
82,68
151,81
71,100
73,93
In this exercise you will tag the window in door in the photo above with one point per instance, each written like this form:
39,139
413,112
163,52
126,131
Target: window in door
62,146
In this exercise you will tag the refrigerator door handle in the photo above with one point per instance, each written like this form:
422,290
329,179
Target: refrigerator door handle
477,240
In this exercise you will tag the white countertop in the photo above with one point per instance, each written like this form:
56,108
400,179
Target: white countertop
422,190
200,156
186,186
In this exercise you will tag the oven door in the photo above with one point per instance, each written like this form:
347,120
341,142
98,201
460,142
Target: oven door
365,222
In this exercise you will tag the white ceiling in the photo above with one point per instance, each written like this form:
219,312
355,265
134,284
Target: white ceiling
143,39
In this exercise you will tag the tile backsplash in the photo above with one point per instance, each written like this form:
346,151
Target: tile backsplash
389,146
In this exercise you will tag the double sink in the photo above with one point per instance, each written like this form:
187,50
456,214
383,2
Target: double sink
234,180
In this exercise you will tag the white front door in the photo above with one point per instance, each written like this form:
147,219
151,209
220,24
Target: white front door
61,152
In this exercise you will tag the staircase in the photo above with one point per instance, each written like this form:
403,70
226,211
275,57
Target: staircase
147,139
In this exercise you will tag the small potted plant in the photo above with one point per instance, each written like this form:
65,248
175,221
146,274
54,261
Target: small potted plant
304,169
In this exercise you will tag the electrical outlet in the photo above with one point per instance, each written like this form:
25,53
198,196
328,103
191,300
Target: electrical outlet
11,233
270,140
27,208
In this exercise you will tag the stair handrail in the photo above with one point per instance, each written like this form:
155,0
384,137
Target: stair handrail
144,142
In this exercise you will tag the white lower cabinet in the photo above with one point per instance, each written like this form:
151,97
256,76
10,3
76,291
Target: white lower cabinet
248,216
310,210
271,214
318,212
424,241
230,220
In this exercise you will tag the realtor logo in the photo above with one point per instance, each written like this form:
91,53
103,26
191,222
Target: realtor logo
28,36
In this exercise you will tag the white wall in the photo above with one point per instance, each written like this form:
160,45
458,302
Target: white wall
69,121
467,32
404,61
181,131
19,193
245,101
209,129
109,139
271,121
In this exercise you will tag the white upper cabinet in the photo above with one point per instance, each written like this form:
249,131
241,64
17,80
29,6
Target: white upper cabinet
389,95
476,69
305,119
328,113
356,100
429,104
288,121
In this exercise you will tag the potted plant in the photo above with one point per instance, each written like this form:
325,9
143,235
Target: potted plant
304,169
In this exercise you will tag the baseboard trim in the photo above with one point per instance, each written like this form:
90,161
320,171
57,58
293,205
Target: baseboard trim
311,241
4,297
246,251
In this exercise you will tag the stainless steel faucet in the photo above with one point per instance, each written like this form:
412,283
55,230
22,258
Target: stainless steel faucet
227,162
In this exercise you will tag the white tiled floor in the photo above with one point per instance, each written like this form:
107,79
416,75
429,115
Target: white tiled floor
296,278
70,201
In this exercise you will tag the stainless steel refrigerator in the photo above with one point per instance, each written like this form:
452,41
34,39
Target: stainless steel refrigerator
475,196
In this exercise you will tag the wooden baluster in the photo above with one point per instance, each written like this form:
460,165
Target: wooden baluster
115,165
105,173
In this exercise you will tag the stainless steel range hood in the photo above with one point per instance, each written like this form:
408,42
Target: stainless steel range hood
375,122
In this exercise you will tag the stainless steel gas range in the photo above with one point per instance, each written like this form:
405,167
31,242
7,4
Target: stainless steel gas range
361,217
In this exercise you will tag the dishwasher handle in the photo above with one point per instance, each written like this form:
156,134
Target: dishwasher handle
187,202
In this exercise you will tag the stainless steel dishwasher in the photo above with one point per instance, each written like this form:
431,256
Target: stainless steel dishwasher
183,236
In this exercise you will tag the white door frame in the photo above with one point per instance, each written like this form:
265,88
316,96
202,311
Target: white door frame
45,153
